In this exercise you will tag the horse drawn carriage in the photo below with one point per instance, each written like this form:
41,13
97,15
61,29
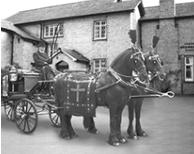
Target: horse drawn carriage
25,96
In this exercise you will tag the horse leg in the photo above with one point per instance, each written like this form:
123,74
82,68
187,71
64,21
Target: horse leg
64,133
138,106
130,130
89,124
115,137
70,128
119,136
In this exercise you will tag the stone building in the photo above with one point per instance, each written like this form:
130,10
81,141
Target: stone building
174,24
93,32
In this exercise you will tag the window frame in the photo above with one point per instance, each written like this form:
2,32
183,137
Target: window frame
100,67
99,38
191,64
50,28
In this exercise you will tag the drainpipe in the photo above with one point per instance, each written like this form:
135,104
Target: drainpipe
12,48
140,33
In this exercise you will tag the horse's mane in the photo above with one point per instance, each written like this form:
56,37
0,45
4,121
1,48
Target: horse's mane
122,55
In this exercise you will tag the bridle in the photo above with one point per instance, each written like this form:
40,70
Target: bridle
155,74
135,74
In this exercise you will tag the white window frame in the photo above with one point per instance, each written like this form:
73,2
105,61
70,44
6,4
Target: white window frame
190,64
100,66
49,30
98,27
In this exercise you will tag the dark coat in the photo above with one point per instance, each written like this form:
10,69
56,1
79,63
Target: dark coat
41,59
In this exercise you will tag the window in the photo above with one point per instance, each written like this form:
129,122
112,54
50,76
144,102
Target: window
189,69
100,30
99,65
49,30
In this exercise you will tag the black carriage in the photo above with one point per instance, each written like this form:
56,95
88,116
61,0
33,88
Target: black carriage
25,96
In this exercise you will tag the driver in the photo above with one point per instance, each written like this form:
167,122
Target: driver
42,62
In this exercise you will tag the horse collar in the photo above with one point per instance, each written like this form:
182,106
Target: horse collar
117,75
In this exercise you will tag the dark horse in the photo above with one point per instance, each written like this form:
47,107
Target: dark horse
155,71
114,88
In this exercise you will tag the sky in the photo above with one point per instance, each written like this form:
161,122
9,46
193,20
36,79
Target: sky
10,7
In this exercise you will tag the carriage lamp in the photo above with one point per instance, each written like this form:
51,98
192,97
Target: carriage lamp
13,74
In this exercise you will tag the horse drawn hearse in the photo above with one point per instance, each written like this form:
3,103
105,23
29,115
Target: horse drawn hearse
26,96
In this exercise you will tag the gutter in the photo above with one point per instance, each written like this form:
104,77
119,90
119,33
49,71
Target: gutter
166,18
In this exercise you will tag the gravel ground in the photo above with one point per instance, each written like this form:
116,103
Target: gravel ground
168,122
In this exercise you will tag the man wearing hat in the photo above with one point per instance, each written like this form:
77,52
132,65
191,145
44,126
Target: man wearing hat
42,61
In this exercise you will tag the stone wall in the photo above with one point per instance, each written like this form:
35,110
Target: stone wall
78,35
23,51
6,48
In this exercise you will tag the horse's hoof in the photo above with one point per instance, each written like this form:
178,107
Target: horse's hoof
142,134
133,136
123,140
114,143
93,131
74,135
67,137
64,135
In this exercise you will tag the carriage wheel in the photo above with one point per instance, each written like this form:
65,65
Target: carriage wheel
26,116
54,117
9,109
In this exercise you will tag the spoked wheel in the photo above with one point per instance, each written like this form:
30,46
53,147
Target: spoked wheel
9,109
26,116
54,117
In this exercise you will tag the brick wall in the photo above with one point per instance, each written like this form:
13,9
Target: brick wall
186,35
173,33
167,8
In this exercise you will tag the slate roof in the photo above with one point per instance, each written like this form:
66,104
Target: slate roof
78,9
8,26
182,10
76,56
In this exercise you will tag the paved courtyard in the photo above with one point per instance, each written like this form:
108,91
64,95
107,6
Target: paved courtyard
168,122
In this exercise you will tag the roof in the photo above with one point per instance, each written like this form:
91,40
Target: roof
78,9
76,56
182,10
8,26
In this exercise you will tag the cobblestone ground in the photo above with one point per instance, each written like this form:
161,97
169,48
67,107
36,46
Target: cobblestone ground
168,122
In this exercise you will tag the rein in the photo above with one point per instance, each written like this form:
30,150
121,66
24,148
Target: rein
117,75
169,94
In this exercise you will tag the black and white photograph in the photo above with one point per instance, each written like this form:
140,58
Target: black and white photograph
97,77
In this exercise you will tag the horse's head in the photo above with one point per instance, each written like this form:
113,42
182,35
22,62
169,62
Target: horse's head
137,60
154,65
130,65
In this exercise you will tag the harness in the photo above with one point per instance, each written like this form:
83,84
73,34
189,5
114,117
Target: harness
119,80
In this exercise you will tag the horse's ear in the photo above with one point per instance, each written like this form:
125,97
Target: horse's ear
132,34
155,41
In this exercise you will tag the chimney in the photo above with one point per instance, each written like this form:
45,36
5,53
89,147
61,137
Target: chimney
167,8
